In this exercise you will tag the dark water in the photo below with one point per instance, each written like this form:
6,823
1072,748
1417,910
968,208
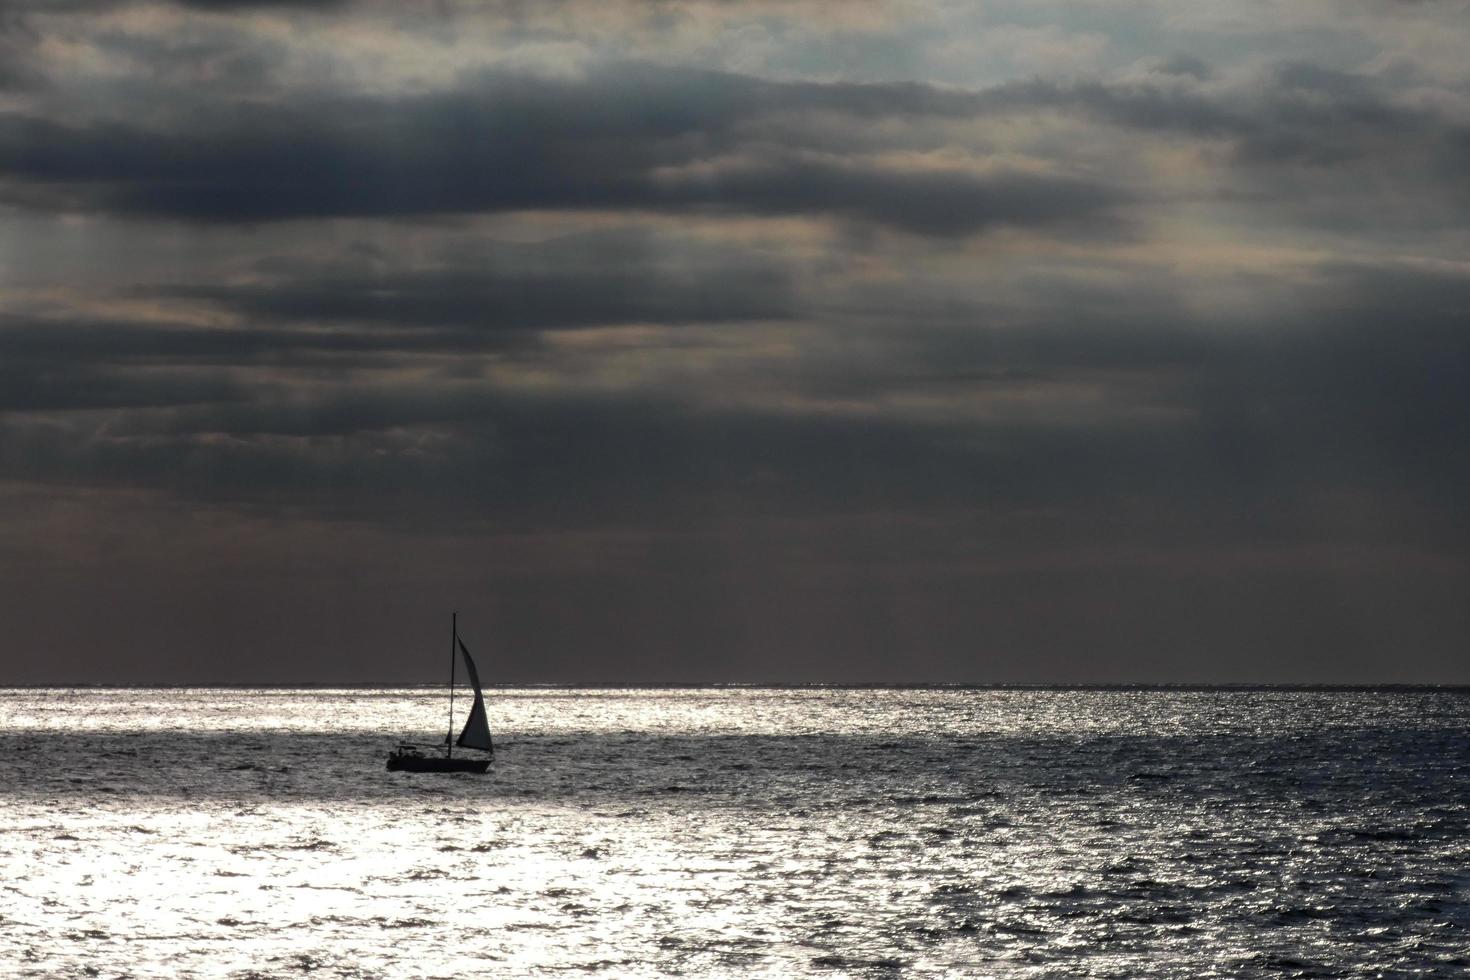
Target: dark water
1119,833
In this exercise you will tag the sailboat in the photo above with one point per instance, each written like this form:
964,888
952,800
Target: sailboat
475,734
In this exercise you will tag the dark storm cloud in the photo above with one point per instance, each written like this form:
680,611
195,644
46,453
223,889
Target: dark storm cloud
31,345
1315,116
17,41
639,137
472,453
361,303
416,457
1184,64
632,138
1391,369
264,4
932,202
927,430
1362,388
31,386
463,314
1380,341
1134,105
522,301
1294,114
12,72
204,6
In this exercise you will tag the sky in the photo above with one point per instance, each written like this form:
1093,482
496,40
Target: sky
779,340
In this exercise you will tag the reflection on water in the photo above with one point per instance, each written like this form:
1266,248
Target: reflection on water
735,832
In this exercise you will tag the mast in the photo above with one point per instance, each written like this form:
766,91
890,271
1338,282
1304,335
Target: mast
453,639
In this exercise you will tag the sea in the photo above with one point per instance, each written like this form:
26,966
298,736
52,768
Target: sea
737,832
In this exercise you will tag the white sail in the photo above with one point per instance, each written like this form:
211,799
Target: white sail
476,733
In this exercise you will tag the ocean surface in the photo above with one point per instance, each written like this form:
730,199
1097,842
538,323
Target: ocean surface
739,832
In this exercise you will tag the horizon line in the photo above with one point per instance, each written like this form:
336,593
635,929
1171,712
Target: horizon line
1454,686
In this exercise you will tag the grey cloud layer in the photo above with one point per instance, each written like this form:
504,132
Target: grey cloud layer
1336,130
1373,379
1130,325
1364,386
631,138
678,141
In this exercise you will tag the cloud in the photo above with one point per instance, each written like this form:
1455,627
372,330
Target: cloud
1362,387
87,7
1296,113
633,138
485,301
17,42
38,385
936,202
364,308
383,275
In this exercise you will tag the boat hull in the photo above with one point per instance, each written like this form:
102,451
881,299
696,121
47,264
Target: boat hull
424,763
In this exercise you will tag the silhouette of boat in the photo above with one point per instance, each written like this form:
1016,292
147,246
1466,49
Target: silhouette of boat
408,757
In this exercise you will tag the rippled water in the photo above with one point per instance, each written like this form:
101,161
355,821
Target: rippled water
731,832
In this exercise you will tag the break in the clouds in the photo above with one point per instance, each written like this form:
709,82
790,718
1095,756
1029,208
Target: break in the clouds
735,340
